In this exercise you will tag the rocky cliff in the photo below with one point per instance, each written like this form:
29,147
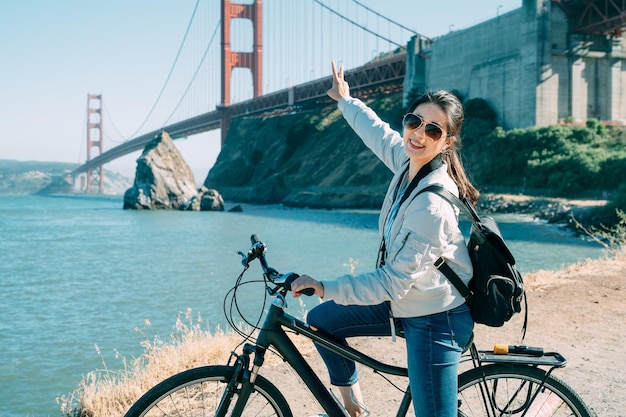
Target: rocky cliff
163,180
309,158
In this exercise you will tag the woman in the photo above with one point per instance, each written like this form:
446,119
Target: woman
415,231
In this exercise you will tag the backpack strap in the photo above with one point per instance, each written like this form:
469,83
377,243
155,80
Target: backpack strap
445,269
465,208
471,214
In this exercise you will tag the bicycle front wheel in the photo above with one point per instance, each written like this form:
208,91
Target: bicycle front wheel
509,390
198,392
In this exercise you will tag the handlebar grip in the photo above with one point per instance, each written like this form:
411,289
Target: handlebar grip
291,278
308,291
518,350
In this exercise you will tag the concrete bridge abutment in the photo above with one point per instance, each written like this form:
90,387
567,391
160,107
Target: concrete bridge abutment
529,66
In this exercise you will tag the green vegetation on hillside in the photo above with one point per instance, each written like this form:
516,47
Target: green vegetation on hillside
566,160
313,151
563,161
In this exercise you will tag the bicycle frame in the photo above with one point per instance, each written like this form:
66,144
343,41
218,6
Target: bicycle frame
273,334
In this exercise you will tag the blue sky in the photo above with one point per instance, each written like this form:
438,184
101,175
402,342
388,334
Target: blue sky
53,53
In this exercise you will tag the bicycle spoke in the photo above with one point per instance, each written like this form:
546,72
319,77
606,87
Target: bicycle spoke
198,393
519,391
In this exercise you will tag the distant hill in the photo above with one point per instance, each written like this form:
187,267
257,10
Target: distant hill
33,177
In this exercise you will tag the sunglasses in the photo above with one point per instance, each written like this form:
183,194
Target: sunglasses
413,121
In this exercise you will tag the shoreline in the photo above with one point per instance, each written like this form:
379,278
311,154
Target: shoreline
554,210
566,214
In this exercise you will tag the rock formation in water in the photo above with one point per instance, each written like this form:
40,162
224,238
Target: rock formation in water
163,180
208,200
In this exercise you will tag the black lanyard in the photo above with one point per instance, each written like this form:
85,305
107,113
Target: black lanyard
434,163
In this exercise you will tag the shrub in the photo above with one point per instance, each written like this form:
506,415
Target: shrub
478,108
612,172
612,238
618,199
565,160
583,135
596,126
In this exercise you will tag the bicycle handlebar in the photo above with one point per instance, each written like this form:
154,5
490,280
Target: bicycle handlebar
257,251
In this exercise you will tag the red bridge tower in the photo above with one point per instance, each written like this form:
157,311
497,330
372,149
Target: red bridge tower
94,139
230,59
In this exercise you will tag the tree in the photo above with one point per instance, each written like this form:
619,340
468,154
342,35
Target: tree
478,108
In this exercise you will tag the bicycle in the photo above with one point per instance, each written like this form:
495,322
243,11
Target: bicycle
512,384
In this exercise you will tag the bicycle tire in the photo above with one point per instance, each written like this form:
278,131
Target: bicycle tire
198,391
511,387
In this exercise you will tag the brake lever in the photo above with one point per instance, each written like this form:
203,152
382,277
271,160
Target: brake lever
273,275
244,258
282,283
256,251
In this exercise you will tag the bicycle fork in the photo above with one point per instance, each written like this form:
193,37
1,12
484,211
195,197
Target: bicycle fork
242,381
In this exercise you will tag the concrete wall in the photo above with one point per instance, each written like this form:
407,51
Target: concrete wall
528,66
597,88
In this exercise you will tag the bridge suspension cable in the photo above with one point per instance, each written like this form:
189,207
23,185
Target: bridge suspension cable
193,14
110,121
384,17
206,52
366,29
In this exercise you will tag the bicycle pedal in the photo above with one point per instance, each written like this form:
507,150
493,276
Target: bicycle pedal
366,411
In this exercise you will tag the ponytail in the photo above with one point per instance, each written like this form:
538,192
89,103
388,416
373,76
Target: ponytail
458,175
453,109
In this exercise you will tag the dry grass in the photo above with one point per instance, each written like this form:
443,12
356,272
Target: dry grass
109,393
587,268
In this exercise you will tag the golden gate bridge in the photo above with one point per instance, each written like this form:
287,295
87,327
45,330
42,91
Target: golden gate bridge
274,34
274,55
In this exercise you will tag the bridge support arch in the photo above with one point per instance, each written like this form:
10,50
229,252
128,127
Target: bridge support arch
232,59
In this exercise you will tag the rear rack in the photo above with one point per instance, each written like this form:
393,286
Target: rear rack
552,359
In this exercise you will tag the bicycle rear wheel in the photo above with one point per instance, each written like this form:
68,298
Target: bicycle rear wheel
510,390
198,392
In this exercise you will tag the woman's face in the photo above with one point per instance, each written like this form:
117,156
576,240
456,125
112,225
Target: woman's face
419,144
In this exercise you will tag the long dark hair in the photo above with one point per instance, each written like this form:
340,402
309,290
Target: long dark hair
453,109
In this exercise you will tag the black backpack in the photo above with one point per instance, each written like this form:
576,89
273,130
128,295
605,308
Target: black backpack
496,289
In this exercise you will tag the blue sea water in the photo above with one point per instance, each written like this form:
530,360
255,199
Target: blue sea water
78,274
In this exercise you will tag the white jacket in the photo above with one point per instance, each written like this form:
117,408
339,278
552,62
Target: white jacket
425,228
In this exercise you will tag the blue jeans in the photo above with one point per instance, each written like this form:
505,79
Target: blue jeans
434,346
